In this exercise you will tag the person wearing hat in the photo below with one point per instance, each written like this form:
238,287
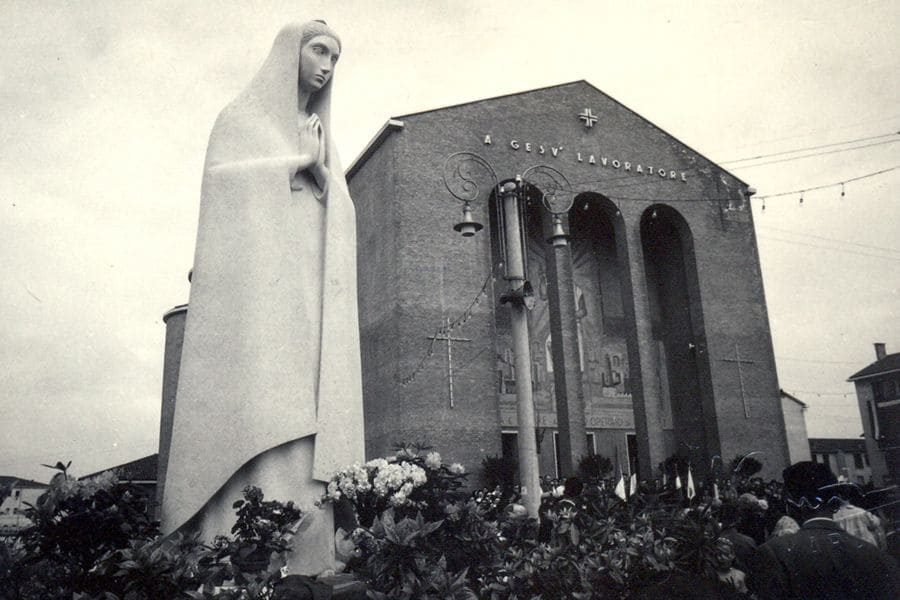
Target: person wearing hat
821,560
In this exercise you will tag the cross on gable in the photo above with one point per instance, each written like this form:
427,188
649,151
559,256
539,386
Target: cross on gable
741,361
588,117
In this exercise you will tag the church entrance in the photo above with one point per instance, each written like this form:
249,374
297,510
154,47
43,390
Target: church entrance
601,364
677,319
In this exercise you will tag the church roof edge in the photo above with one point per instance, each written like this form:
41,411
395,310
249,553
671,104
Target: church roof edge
389,127
386,129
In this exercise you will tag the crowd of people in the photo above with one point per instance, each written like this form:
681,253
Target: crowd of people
808,536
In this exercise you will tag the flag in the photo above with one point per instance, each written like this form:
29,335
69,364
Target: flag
677,482
633,487
690,485
665,481
620,488
715,491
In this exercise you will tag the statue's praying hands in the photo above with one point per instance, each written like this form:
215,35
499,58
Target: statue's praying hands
312,148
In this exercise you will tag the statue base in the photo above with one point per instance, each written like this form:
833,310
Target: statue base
343,586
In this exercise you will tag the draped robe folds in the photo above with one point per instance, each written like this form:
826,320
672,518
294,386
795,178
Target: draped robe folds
269,389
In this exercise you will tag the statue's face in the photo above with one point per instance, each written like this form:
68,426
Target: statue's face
317,60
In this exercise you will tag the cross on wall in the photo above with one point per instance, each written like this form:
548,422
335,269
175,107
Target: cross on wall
740,362
448,337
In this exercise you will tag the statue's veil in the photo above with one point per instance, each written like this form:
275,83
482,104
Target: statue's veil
242,358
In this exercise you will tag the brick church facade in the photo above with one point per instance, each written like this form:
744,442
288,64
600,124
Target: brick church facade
658,295
649,335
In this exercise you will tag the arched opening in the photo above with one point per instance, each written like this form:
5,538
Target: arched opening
600,276
540,377
677,328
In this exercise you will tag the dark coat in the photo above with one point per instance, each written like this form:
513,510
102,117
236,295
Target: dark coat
821,562
744,548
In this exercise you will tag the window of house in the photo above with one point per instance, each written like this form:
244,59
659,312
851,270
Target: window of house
858,460
591,447
878,391
873,419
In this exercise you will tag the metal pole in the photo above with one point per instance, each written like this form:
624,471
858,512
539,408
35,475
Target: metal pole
529,475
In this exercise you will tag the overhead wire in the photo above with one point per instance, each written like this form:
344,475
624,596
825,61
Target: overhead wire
821,362
815,154
635,179
829,239
854,141
832,248
817,131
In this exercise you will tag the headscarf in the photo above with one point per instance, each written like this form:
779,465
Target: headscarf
262,120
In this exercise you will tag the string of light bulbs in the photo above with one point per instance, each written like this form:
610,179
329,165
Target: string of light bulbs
446,330
842,184
641,180
818,393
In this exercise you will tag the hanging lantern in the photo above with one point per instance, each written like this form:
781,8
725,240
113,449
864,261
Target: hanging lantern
468,226
558,236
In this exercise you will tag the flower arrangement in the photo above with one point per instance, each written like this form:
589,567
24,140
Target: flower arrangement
262,527
413,479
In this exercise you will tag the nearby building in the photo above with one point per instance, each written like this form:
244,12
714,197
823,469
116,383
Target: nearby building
649,336
21,493
878,395
141,474
795,427
846,458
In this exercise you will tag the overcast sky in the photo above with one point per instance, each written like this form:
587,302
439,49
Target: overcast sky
105,110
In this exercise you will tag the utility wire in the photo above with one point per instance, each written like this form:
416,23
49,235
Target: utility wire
865,139
821,237
640,179
817,131
821,362
790,158
842,250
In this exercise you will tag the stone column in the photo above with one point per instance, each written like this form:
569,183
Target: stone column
645,391
566,367
529,475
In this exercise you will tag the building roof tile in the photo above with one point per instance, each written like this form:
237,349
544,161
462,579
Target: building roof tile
888,364
142,469
8,480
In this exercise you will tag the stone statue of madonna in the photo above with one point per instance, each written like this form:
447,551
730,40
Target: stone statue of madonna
269,391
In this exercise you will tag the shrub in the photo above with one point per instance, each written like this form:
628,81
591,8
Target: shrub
91,540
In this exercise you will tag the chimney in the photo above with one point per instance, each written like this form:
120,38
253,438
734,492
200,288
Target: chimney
879,350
